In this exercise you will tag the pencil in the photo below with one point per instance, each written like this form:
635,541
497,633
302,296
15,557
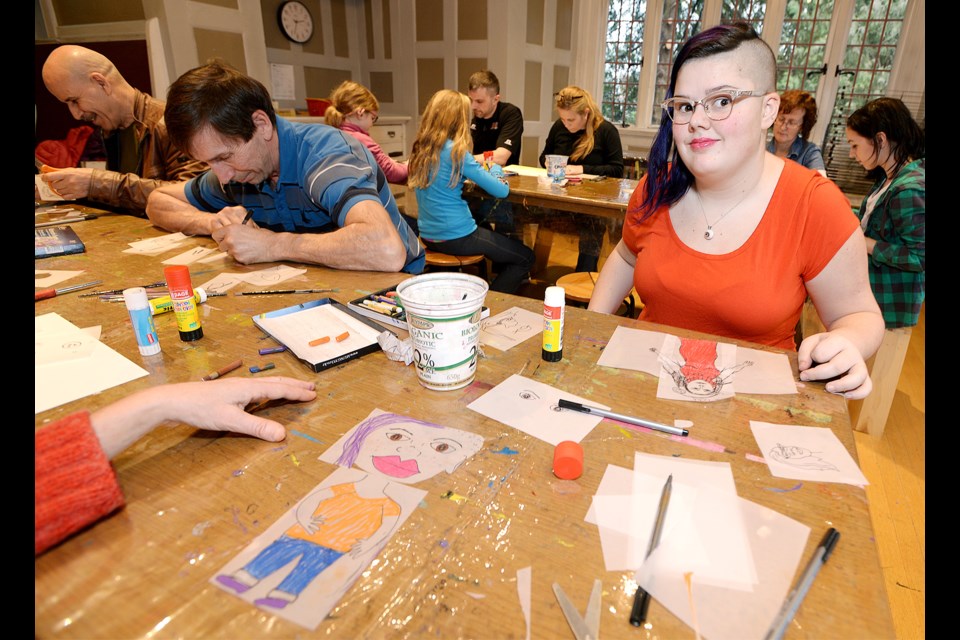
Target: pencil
247,217
222,371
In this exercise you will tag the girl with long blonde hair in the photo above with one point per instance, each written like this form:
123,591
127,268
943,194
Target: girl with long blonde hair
440,162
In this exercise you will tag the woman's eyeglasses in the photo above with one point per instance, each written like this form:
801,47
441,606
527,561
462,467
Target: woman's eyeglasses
717,106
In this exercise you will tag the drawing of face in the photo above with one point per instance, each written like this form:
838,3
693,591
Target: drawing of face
700,388
789,452
408,452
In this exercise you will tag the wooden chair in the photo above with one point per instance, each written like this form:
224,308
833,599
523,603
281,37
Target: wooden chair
578,287
437,261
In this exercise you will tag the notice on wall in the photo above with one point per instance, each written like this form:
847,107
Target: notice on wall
281,82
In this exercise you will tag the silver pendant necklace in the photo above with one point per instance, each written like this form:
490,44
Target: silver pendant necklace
708,234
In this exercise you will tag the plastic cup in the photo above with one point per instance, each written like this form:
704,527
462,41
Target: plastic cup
556,167
443,316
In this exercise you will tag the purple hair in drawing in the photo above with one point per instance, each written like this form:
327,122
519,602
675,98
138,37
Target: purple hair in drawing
351,448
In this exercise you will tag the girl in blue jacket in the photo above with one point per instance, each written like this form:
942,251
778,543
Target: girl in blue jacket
440,162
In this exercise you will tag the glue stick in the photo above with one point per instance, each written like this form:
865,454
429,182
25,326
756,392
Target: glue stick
147,340
181,294
554,299
163,304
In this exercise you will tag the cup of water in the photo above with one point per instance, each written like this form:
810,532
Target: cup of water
556,167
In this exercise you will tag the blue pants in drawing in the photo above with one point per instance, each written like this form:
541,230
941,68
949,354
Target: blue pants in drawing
284,549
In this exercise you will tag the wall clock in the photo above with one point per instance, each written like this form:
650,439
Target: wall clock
295,21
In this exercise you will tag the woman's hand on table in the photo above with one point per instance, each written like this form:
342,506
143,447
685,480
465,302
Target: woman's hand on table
833,358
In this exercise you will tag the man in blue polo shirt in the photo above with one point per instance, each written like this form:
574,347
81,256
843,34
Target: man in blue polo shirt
315,195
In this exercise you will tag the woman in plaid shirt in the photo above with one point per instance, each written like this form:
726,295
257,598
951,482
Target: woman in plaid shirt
889,143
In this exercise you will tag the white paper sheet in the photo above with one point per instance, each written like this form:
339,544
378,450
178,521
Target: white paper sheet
72,365
806,453
532,407
509,328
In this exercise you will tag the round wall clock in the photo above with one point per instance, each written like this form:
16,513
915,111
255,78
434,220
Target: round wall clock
295,21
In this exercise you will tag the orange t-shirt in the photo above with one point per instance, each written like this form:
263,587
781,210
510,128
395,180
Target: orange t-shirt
755,293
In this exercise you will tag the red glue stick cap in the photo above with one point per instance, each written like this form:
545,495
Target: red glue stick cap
568,460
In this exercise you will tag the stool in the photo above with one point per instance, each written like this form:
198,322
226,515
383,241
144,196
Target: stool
578,287
445,261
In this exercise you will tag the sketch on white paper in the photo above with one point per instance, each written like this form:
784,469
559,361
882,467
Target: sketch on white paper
306,561
509,328
694,369
190,255
532,407
271,275
156,246
806,453
770,373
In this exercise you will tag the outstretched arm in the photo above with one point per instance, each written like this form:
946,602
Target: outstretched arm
844,301
217,405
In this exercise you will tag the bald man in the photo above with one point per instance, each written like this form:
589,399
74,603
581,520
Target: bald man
140,157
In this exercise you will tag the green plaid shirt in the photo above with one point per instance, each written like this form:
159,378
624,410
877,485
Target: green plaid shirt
897,264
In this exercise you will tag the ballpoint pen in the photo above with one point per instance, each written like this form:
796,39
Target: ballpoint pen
641,599
796,595
656,426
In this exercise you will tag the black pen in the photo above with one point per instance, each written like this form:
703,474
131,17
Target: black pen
656,426
247,217
641,599
796,595
266,292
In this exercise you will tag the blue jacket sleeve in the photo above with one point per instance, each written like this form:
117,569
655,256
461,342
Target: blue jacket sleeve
474,171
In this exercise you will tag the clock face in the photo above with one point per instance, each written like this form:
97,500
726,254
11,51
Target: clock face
296,23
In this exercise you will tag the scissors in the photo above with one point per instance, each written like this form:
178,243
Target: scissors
586,627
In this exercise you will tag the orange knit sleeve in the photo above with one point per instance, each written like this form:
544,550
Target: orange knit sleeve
74,482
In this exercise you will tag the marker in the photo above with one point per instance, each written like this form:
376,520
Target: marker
266,292
43,294
247,217
268,350
796,595
222,371
265,367
595,411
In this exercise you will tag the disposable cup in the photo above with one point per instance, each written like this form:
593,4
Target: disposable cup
556,167
443,316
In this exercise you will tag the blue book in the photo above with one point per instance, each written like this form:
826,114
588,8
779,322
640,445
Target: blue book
56,241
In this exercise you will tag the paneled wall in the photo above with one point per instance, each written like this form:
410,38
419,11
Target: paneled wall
404,50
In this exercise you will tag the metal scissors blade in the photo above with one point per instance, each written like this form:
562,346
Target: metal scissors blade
584,627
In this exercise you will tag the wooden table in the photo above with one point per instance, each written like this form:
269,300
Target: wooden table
195,499
539,203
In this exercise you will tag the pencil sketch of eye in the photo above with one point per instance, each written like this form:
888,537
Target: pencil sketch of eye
526,394
555,407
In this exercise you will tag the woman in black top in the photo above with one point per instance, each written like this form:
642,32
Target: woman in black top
592,146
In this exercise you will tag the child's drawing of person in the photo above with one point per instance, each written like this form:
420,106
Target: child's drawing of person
358,517
698,374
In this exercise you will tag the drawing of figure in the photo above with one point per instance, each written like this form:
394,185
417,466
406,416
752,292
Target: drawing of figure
355,518
800,457
508,325
698,374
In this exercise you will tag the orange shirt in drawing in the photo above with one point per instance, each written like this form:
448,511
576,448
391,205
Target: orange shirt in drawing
347,518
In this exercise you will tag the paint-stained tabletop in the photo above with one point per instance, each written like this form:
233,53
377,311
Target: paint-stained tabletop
195,499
